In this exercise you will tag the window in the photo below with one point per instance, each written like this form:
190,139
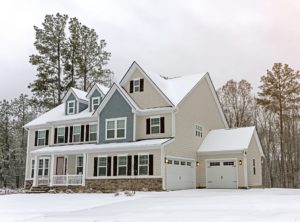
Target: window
76,133
43,169
71,107
32,168
199,131
188,163
143,164
254,169
155,125
214,164
95,103
102,166
61,135
136,85
41,137
122,165
176,162
79,165
116,128
170,161
231,163
93,132
182,163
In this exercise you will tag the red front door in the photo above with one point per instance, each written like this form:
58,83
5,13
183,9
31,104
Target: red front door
60,166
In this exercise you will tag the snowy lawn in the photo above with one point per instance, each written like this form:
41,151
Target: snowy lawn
189,205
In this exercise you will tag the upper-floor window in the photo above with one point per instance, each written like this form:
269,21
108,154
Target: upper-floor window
61,135
137,85
116,128
71,107
93,132
199,131
41,140
95,103
76,133
155,125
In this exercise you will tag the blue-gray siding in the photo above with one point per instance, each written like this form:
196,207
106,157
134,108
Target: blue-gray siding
82,106
96,93
116,107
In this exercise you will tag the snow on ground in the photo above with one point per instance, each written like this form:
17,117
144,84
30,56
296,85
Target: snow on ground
190,205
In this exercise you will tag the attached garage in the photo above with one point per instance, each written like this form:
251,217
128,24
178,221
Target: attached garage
221,174
180,174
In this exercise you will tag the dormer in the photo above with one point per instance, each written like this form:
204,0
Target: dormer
95,96
75,101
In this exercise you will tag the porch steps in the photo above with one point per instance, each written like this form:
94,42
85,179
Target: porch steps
40,189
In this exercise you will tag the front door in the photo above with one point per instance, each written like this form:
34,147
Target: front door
60,166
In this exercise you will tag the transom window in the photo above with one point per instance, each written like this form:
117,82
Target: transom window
116,128
43,169
155,125
143,164
76,133
176,162
41,137
188,163
136,85
122,165
214,164
95,103
32,168
228,163
93,132
102,166
61,135
71,107
199,131
79,165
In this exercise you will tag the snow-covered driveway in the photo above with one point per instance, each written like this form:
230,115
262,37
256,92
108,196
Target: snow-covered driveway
189,205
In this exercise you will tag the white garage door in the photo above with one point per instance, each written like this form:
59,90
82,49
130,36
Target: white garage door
221,174
180,175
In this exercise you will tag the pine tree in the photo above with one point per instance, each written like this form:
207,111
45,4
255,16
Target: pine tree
50,42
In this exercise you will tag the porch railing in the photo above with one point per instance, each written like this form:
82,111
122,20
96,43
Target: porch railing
65,180
43,180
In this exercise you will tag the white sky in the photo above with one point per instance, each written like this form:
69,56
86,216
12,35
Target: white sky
231,39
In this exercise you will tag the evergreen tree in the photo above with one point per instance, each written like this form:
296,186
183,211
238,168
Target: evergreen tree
50,42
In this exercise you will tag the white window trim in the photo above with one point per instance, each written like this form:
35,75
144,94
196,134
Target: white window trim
68,103
118,165
90,131
63,135
115,128
136,86
76,165
41,130
159,125
143,154
43,167
93,102
73,134
98,165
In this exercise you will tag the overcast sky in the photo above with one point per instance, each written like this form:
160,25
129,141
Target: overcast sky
230,39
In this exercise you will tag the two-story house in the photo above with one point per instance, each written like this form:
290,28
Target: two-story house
145,132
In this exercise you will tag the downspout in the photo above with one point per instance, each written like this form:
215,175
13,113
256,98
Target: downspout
163,167
245,170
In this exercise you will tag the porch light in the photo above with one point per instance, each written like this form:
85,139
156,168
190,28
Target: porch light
240,162
166,161
197,164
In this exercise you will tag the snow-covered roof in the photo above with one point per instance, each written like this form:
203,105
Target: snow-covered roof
107,147
222,140
104,89
79,93
57,114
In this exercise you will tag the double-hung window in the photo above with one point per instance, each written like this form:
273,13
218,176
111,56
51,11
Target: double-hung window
155,125
71,107
43,169
102,166
76,133
61,135
143,164
41,137
199,130
32,168
93,132
95,103
79,165
122,165
136,85
116,128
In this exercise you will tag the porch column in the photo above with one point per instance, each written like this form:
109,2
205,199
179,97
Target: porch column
84,169
35,177
52,169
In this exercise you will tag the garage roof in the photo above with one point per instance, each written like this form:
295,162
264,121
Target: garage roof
229,140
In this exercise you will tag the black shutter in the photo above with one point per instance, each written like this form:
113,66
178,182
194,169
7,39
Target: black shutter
109,166
47,138
95,166
82,133
36,138
71,134
136,165
151,164
129,165
162,124
66,134
55,136
87,132
115,166
148,126
131,86
141,85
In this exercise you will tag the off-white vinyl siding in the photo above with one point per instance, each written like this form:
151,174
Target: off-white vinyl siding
141,127
253,153
149,98
156,160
